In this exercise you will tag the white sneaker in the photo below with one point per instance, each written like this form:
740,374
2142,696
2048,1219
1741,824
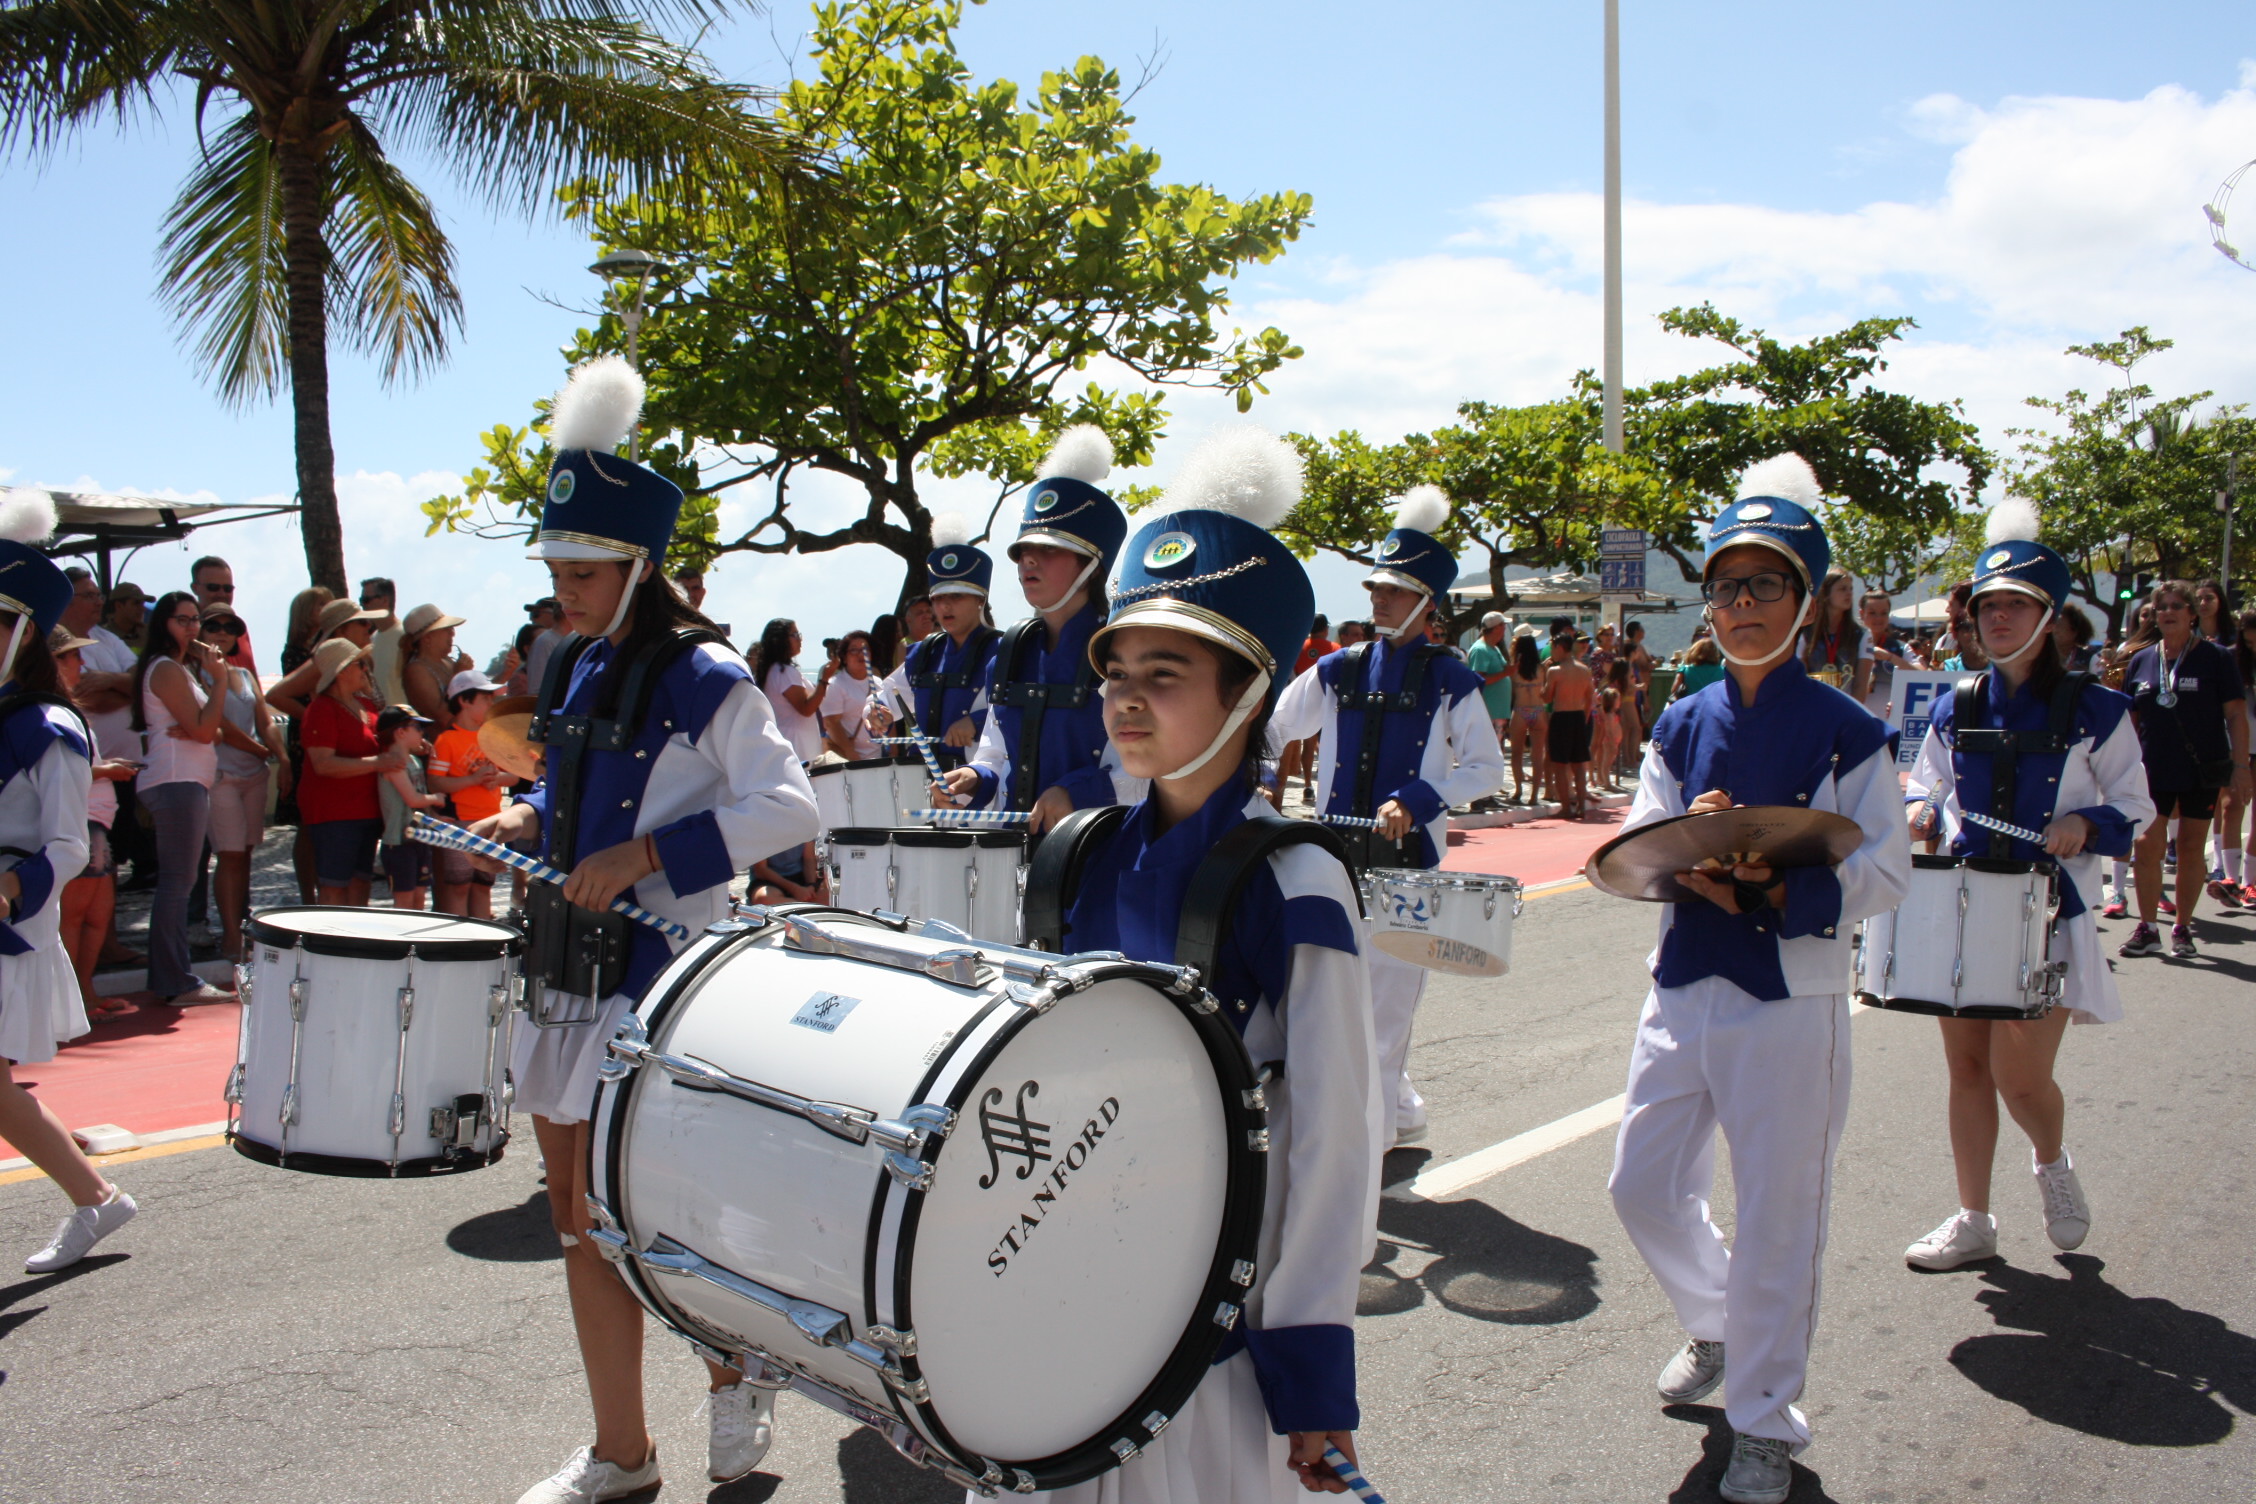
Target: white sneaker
743,1429
1761,1471
2067,1214
1963,1238
584,1480
80,1231
1695,1370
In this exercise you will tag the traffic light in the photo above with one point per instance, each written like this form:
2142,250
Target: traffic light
2135,589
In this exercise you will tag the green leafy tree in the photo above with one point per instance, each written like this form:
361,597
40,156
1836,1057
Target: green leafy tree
297,225
2127,482
999,245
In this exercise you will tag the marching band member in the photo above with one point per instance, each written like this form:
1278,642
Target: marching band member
1043,749
1747,1023
46,769
1210,611
1416,740
665,799
944,677
2076,775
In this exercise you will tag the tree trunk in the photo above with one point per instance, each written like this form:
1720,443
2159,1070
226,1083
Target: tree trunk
306,264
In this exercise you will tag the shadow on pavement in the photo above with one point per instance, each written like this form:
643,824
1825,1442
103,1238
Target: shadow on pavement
871,1472
1699,1485
513,1235
1488,1267
24,1289
752,1488
2135,1369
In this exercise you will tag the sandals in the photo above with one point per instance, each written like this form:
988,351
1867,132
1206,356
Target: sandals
206,993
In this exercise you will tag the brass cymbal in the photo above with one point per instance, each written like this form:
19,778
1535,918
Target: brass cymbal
1643,864
503,737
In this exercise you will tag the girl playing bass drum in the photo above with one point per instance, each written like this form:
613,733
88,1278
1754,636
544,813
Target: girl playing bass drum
2089,801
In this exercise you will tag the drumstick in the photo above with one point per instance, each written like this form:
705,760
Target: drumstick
437,833
1352,1477
971,816
923,744
1352,822
2018,832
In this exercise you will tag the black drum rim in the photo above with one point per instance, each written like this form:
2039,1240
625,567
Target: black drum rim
354,1168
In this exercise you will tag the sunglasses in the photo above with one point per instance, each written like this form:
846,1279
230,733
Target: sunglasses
218,589
1767,587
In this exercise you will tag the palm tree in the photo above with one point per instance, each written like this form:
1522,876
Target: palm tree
296,222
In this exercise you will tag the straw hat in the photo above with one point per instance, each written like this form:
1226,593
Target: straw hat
336,614
331,659
427,618
62,640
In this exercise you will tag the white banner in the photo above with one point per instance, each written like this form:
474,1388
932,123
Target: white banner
1911,705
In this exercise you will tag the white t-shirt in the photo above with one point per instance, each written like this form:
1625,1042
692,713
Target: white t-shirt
848,699
804,732
114,735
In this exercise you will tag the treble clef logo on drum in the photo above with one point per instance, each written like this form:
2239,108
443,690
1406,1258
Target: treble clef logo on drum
1011,1133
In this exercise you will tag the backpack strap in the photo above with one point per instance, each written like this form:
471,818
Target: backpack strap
1032,699
1211,901
2004,748
1053,877
622,708
1376,705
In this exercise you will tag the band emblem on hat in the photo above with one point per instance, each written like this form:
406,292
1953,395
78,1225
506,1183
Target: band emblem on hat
948,560
1169,549
1390,548
1998,560
560,487
1045,498
1753,511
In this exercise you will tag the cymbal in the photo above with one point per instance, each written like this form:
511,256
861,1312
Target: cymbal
503,737
1643,863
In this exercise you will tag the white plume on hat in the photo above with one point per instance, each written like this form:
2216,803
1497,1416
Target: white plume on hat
597,407
1786,476
1081,453
949,528
27,515
1422,509
2013,519
1244,471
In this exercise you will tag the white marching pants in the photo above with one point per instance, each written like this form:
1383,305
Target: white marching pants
1775,1077
1396,987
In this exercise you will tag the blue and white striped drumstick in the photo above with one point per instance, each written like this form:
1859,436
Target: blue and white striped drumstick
1354,1479
437,833
1350,822
971,816
2018,832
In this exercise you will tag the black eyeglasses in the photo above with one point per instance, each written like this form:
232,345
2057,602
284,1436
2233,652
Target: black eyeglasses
186,621
1766,587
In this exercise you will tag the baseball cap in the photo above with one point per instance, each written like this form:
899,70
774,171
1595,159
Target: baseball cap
470,682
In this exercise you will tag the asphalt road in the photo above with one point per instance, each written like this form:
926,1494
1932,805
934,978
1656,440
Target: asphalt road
263,1336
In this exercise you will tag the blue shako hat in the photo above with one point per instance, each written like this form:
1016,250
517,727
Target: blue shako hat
954,566
2013,559
599,505
1774,512
30,583
1210,564
1064,509
1410,555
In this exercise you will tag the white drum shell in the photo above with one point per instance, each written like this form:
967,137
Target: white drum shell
349,1052
829,783
880,795
951,876
1962,938
1454,922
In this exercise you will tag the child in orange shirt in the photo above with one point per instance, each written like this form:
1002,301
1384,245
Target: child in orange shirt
461,771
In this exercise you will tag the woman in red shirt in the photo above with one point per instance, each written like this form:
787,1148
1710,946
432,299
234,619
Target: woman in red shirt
337,796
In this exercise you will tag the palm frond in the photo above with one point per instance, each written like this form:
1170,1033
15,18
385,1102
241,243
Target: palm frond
392,288
67,63
221,264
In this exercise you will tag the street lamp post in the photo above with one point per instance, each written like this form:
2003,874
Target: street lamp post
1613,251
638,267
2225,506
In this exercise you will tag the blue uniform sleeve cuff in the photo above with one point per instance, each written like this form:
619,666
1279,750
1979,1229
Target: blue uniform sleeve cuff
692,853
1813,903
1312,919
2111,831
984,794
1307,1376
1419,797
36,875
1088,787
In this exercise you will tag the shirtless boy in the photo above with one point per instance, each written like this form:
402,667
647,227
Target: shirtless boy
1568,690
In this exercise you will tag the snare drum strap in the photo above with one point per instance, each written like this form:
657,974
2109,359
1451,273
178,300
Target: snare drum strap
2004,748
1033,699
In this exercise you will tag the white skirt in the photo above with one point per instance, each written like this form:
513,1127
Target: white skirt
39,1003
2089,993
1217,1450
554,1069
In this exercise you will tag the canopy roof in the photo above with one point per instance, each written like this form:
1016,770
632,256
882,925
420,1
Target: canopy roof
97,523
1564,591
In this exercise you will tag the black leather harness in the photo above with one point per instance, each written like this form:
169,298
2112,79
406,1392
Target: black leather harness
1032,699
1368,847
2004,748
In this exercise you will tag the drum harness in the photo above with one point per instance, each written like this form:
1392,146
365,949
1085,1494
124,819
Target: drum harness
577,951
2004,748
932,722
1033,699
1368,848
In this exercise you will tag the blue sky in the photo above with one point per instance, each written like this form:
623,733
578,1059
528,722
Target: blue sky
2016,176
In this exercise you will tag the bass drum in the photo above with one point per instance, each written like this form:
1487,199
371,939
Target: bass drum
1001,1207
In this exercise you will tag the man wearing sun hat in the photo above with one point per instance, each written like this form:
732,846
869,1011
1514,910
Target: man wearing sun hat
1746,1025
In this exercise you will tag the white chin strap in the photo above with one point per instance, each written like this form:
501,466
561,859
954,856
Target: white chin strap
626,596
1255,694
1080,579
15,640
1411,622
1785,645
2018,653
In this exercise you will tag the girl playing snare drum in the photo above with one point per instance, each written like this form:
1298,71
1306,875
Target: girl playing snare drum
2089,801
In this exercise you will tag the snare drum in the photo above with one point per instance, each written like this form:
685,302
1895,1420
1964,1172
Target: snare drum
1970,940
1457,922
829,782
967,879
373,1041
873,792
1000,1206
861,869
